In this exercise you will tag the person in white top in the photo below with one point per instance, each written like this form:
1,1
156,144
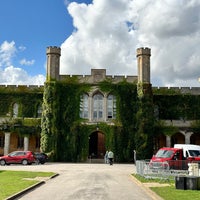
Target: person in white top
110,157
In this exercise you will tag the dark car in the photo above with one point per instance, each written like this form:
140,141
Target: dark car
18,157
41,157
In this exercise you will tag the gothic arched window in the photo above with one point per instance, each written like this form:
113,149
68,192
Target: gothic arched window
15,110
84,106
39,111
111,107
98,106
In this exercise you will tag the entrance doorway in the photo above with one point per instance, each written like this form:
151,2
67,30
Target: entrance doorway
97,145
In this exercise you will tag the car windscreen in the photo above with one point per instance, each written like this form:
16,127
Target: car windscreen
194,153
164,154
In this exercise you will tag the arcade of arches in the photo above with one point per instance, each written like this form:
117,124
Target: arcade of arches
97,147
181,137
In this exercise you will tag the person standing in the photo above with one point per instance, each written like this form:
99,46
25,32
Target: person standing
106,157
110,157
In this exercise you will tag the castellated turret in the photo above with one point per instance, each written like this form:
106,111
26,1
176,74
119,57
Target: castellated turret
143,61
53,62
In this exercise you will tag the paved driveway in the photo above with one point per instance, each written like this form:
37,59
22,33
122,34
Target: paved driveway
86,181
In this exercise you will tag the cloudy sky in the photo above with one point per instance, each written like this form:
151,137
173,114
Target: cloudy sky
100,34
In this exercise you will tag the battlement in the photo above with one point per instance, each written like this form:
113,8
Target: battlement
98,75
179,90
143,51
22,87
53,50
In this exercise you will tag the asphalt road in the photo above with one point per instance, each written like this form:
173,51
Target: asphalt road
85,181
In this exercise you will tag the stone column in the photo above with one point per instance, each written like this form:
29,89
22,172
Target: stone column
6,143
187,137
26,143
168,141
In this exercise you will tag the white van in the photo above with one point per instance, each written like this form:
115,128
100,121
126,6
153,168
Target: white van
189,150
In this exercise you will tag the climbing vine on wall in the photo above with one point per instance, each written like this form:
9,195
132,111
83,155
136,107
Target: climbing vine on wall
145,122
28,100
178,107
60,110
127,107
65,135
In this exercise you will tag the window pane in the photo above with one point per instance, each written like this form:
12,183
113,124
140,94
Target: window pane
98,106
84,106
15,110
111,107
39,111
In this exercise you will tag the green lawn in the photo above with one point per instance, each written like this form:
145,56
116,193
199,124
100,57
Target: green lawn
170,192
12,182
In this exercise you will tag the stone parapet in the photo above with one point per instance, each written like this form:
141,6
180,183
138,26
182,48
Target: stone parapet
181,90
178,123
22,87
143,51
53,50
96,79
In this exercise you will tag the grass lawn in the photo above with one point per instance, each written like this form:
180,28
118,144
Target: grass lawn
12,182
170,192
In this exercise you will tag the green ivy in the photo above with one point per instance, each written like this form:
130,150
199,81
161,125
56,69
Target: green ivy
65,136
176,107
28,99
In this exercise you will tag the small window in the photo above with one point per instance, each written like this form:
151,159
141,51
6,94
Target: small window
84,106
98,106
15,110
111,107
39,111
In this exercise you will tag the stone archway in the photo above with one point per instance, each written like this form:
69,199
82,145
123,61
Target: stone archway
195,138
177,138
97,145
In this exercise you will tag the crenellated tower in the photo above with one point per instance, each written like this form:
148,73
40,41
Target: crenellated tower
53,63
143,61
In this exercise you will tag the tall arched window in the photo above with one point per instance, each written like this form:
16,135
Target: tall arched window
111,107
84,106
39,111
98,106
15,110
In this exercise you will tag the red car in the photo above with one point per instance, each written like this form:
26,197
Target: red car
18,157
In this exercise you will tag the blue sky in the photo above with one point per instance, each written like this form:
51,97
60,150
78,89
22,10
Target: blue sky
100,34
32,26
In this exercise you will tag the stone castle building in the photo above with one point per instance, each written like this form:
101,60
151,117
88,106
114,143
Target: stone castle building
35,118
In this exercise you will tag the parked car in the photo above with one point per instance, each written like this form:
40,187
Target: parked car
18,157
41,157
177,157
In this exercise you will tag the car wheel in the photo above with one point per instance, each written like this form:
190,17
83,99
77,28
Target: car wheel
3,162
25,162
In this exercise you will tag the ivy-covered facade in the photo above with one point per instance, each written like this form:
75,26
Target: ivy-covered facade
76,118
20,118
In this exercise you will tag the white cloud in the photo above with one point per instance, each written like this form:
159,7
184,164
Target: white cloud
22,48
107,34
11,75
7,52
17,76
26,62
